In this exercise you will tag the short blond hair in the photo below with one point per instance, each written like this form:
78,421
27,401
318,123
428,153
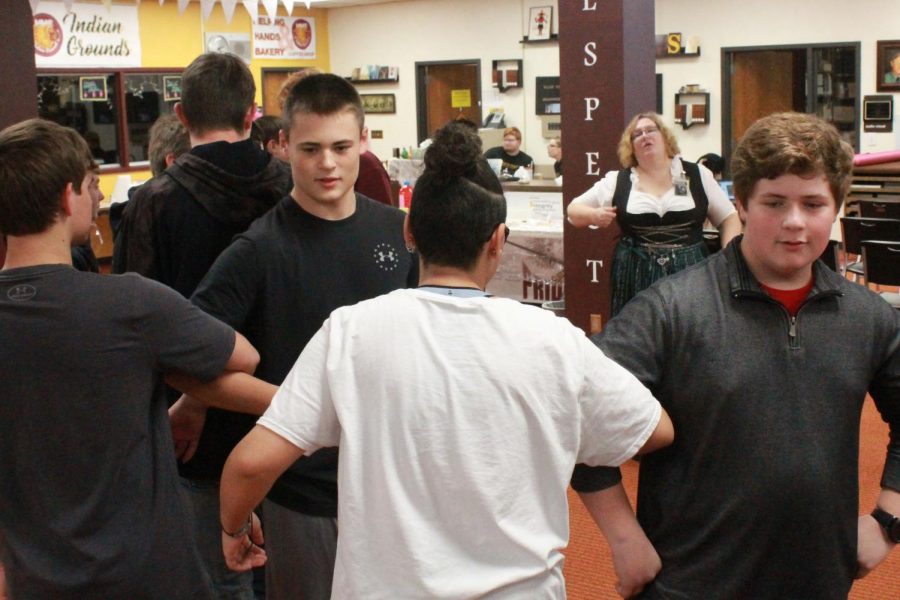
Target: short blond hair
513,131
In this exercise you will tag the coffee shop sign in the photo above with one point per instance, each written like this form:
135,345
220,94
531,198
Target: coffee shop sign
89,36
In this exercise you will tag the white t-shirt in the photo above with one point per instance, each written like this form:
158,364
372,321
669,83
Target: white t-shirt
640,202
459,421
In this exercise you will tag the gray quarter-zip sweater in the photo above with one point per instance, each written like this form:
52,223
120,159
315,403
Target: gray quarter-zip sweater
757,497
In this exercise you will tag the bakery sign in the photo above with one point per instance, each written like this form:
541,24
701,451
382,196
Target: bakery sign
284,37
88,35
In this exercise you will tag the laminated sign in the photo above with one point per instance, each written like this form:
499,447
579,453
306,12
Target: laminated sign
284,37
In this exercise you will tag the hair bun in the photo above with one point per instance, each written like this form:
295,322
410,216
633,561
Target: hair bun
454,152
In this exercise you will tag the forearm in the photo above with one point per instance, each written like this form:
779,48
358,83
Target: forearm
889,500
234,391
635,560
580,215
249,473
611,511
729,228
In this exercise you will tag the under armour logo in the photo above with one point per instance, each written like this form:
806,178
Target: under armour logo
386,257
22,292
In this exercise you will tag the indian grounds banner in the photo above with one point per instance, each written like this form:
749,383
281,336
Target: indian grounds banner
89,35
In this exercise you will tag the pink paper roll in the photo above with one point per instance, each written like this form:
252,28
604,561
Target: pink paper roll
876,158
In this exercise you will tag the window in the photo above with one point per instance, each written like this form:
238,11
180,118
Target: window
113,110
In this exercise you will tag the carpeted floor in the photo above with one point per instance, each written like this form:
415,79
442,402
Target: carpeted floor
589,572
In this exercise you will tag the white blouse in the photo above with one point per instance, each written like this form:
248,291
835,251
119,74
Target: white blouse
639,202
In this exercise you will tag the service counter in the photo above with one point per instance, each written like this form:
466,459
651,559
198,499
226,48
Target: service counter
531,269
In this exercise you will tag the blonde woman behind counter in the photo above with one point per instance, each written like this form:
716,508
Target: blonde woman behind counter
660,202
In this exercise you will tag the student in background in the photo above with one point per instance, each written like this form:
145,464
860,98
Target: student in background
509,152
758,497
265,132
554,151
169,139
83,258
713,162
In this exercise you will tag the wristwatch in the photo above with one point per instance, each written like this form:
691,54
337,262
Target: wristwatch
889,523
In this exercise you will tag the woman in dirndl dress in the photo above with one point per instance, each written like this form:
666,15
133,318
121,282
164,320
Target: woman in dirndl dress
660,202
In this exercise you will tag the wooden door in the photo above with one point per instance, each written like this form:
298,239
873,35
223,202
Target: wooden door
271,85
762,83
436,84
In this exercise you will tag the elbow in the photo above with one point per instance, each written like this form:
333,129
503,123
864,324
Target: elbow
245,357
662,436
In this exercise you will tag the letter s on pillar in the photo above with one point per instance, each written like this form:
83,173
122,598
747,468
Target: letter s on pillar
591,56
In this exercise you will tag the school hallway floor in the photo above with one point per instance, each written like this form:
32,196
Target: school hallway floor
588,568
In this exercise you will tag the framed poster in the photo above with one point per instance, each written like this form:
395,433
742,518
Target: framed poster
171,88
92,89
539,22
888,66
374,104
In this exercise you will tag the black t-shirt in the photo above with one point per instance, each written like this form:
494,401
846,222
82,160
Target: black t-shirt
510,162
90,504
277,283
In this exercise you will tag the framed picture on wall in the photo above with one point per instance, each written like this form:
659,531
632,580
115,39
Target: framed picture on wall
171,88
540,20
374,104
888,66
92,89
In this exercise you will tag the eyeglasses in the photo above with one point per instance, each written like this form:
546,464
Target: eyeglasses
640,132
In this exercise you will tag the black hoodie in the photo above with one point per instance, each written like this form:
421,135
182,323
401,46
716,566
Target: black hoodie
176,224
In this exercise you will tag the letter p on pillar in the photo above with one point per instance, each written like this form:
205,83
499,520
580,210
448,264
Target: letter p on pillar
590,105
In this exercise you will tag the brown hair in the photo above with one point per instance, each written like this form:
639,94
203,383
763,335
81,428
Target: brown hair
291,81
322,94
38,158
217,90
167,136
791,143
626,145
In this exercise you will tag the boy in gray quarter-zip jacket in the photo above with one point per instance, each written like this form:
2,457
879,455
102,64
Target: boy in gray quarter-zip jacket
763,357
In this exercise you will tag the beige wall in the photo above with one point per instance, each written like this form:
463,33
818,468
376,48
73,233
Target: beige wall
730,23
402,33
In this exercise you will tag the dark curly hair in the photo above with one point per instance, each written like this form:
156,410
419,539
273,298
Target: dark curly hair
457,202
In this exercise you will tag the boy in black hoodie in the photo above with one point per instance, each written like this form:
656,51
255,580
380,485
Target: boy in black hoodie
177,224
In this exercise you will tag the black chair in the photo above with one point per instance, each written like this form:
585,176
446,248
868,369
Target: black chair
857,229
881,262
881,208
829,255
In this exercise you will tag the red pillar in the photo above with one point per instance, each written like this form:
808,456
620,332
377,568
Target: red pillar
607,74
